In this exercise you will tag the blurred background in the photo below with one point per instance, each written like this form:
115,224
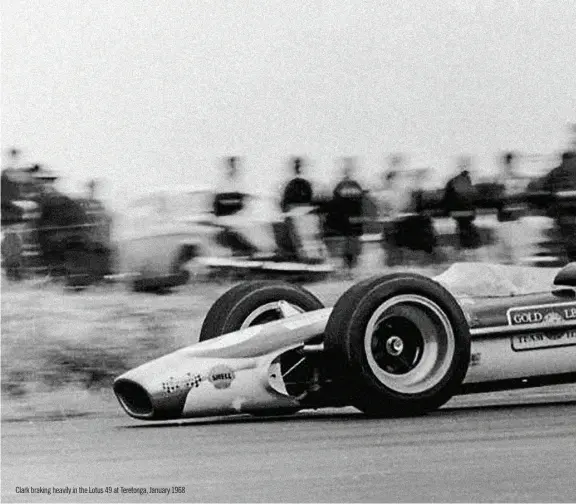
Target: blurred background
119,122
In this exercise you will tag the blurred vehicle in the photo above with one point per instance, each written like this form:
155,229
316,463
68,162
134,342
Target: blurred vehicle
168,233
51,233
159,233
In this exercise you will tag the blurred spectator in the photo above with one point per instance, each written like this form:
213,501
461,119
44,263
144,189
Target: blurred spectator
234,211
60,222
419,228
563,177
396,162
300,238
407,226
12,217
417,189
348,195
96,215
561,181
572,141
509,207
91,187
228,201
11,213
298,191
14,154
229,197
460,204
18,184
391,203
93,205
394,200
395,196
385,195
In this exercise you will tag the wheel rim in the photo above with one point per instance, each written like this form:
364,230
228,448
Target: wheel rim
270,312
409,344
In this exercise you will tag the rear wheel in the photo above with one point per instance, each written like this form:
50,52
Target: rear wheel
397,345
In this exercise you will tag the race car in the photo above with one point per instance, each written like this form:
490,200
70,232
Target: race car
393,345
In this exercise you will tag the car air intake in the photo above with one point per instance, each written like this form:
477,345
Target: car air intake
133,398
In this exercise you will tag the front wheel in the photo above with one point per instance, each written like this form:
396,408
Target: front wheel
252,303
397,345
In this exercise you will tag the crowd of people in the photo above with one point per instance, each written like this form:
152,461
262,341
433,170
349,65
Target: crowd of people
400,209
406,211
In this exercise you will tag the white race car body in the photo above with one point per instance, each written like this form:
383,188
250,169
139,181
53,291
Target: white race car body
521,340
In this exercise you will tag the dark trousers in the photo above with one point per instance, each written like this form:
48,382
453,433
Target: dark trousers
468,237
415,232
567,228
351,250
239,245
391,244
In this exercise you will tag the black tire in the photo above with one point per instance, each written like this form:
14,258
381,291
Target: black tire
230,311
418,308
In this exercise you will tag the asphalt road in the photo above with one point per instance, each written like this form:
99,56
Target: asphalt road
467,452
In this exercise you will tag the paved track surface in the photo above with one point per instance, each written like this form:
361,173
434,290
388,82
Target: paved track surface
466,452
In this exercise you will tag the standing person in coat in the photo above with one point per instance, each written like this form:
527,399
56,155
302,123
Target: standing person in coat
460,204
301,237
229,197
347,201
394,200
229,201
299,190
561,183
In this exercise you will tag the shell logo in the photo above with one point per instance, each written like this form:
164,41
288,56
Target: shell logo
221,376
